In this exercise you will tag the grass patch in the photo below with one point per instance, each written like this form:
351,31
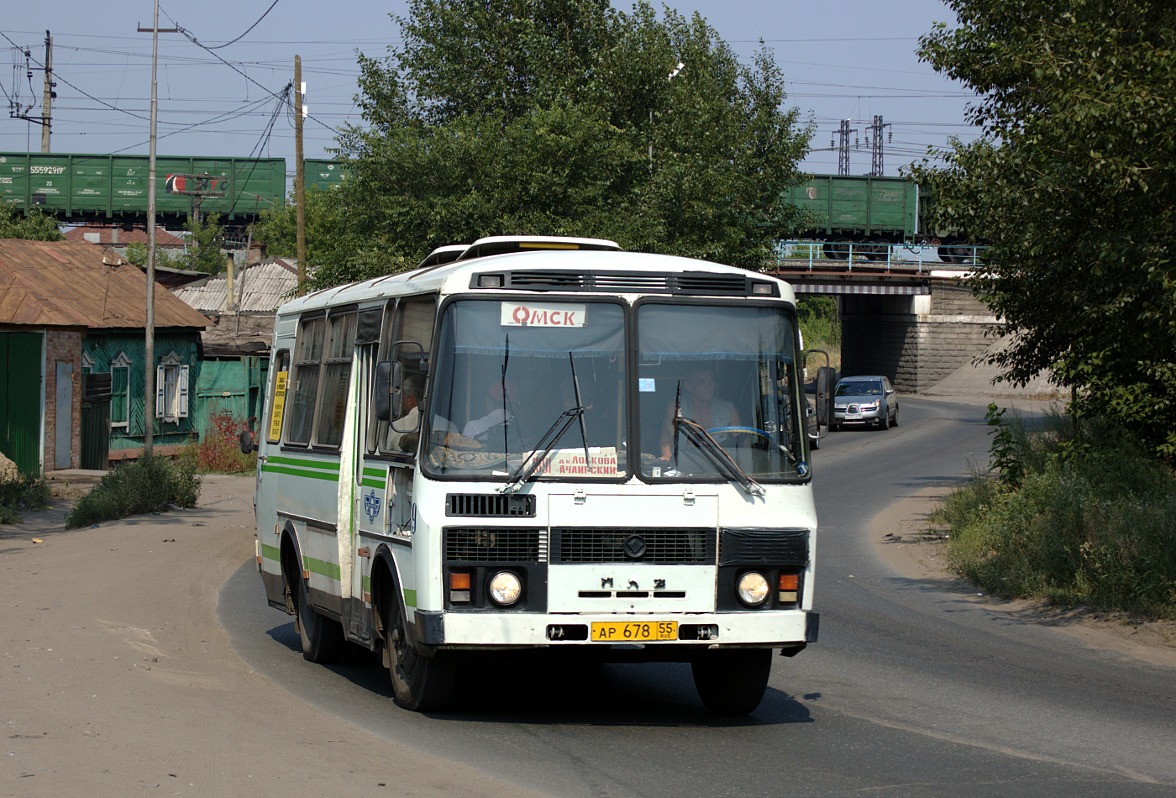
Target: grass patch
23,493
1078,514
147,485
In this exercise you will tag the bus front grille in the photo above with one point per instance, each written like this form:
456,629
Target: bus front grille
494,544
661,546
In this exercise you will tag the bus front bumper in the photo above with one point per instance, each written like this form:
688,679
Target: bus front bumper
787,629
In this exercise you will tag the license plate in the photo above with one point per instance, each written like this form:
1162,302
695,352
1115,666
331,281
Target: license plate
634,631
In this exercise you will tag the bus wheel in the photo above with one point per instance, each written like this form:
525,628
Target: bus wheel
322,637
732,682
420,683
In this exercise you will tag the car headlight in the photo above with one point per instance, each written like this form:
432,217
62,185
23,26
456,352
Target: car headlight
870,405
505,588
752,589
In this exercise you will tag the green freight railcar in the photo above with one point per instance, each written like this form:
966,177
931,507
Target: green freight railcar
77,187
321,174
863,211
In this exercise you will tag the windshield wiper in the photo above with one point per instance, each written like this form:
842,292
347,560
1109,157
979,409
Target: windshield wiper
544,446
697,435
541,449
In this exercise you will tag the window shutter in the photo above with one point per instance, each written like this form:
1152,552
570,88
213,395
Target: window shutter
183,391
160,410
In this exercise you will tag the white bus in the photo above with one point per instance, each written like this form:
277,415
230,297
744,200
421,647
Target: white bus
542,444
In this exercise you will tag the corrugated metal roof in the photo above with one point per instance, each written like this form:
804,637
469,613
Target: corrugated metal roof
120,237
65,284
259,288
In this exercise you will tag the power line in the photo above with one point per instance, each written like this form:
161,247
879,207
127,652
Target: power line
246,33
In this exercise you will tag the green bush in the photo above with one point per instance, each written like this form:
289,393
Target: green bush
1087,519
147,485
23,493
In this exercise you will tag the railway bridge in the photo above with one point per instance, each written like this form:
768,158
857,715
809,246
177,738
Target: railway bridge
904,312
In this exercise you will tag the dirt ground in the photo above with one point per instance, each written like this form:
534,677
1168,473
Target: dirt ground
905,540
116,679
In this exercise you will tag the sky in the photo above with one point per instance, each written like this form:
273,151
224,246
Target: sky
853,60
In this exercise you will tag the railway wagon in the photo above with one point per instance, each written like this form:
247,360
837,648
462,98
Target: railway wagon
319,173
859,210
75,187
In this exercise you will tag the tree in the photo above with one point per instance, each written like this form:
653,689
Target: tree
34,225
1073,187
560,117
203,253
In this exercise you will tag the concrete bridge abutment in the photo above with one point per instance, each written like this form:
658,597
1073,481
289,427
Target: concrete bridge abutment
915,340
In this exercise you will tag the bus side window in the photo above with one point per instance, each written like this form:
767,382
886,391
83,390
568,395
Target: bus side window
307,362
335,379
411,322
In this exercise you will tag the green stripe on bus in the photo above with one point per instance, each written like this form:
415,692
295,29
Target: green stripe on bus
375,472
321,567
410,598
271,553
295,472
326,465
373,483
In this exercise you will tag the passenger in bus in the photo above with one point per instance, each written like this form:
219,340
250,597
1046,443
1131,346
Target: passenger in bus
699,403
501,412
404,432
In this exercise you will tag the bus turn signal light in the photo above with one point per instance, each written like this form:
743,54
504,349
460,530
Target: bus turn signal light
459,587
789,587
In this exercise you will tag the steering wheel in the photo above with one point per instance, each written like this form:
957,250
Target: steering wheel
741,430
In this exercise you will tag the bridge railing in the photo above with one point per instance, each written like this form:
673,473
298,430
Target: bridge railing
849,256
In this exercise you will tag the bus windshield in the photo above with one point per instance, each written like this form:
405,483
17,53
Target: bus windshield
718,393
538,390
520,379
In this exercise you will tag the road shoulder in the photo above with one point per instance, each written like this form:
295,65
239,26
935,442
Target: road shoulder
904,540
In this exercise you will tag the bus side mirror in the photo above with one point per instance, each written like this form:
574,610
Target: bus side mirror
388,402
826,381
247,444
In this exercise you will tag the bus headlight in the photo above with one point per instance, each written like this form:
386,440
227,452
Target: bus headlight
505,588
752,589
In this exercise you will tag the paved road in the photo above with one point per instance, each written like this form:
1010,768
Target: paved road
914,689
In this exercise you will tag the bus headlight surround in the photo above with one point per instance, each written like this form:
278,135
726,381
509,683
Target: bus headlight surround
505,588
752,589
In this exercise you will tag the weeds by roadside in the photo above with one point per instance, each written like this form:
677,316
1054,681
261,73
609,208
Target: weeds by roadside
22,493
219,450
1078,514
147,485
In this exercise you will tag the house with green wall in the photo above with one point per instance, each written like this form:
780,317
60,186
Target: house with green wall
73,358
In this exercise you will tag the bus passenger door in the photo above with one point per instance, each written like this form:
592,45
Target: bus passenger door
367,479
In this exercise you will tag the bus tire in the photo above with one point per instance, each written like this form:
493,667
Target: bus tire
420,682
732,681
321,637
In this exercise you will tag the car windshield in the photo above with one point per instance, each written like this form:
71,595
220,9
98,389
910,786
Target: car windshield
860,388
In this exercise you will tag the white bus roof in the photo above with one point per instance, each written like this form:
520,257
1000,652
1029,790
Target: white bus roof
458,276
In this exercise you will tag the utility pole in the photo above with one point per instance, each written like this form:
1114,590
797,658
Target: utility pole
876,166
843,148
299,180
47,103
149,355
